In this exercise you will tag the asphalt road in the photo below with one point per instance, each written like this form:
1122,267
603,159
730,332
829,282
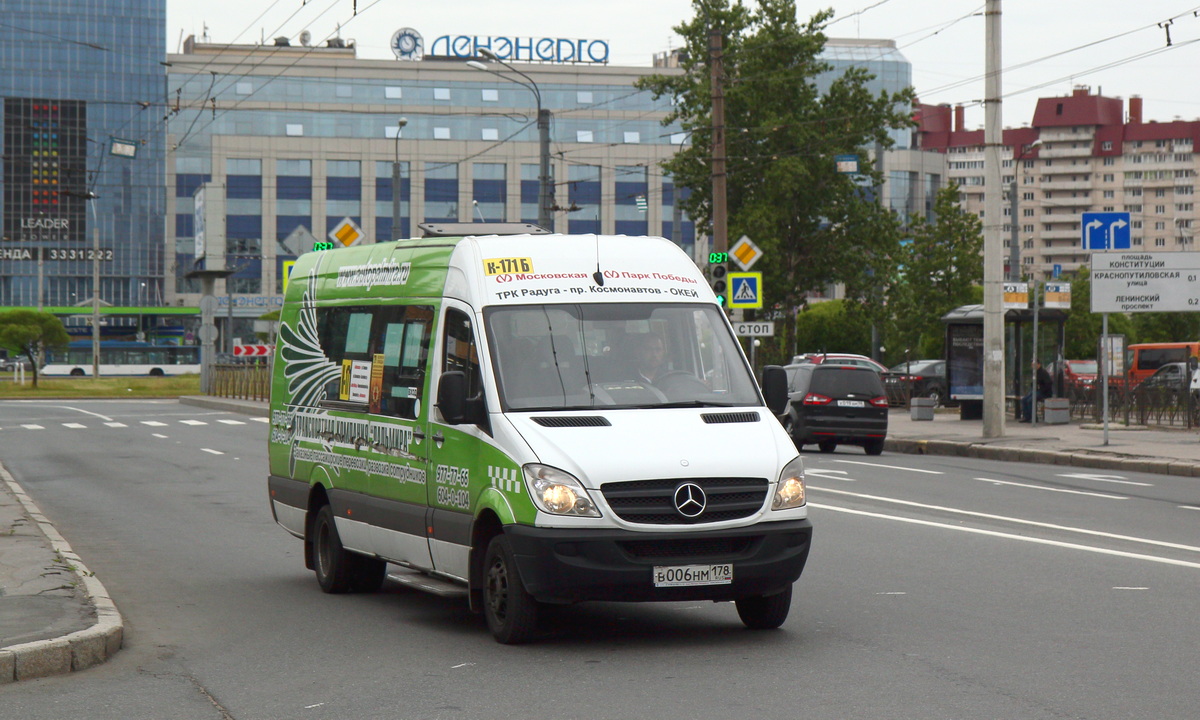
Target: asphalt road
938,587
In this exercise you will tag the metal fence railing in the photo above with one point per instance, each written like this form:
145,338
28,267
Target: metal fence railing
242,381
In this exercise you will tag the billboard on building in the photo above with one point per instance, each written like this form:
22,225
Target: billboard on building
45,170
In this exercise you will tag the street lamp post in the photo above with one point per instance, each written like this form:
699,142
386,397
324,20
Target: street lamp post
545,192
400,123
1014,250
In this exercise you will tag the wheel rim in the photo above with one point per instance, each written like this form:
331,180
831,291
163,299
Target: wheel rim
497,588
324,554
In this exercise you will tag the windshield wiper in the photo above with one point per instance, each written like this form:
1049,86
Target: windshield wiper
695,403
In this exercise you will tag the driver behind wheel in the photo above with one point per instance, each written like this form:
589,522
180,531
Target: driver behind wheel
650,358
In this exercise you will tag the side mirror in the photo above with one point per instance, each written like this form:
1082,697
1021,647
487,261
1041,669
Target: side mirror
456,407
775,390
452,397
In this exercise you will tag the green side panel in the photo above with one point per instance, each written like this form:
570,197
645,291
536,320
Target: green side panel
469,474
398,269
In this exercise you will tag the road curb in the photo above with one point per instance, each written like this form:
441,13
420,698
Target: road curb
1087,459
75,651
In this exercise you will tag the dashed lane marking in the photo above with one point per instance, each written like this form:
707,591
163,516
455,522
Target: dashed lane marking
214,452
160,435
154,423
75,426
116,424
193,422
1050,489
231,422
891,467
33,427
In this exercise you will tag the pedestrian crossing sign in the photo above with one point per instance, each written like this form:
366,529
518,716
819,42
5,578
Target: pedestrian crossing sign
745,290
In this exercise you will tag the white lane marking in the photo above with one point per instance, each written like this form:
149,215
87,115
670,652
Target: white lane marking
1016,521
310,707
829,474
1131,588
1050,489
154,423
33,427
160,435
460,665
261,419
193,422
1189,507
116,424
891,593
231,422
75,426
85,412
1119,479
891,467
214,452
1010,536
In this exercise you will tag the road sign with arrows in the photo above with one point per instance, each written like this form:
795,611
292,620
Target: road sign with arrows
1105,231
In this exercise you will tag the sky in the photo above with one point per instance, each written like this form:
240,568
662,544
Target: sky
1115,47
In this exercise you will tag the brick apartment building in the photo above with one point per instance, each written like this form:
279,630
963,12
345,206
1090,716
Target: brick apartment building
1082,153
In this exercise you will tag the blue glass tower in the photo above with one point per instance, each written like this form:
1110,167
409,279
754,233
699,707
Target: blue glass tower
83,85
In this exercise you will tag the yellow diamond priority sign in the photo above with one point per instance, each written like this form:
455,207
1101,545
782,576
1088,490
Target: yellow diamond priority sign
346,233
745,253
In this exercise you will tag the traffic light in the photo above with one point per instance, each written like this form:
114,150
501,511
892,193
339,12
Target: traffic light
717,275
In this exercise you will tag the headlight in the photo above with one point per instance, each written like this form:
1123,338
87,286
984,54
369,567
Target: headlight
557,492
789,493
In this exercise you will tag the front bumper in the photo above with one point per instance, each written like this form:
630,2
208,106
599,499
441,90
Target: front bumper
564,566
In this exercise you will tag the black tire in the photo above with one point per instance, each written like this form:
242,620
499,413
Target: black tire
156,372
333,564
874,446
765,612
77,372
827,446
511,612
369,574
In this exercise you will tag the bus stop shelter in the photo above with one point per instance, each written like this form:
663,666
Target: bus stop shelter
964,352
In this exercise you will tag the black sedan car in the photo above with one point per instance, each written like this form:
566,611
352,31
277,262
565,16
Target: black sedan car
917,378
831,405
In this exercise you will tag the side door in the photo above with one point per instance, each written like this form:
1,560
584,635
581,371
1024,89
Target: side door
398,444
456,452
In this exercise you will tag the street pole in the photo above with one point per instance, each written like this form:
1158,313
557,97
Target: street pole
396,181
545,189
545,183
720,217
95,300
993,276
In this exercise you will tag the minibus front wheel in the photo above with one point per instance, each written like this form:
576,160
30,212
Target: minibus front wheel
511,612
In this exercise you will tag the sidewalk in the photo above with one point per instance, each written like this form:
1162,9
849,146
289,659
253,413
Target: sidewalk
1132,449
55,617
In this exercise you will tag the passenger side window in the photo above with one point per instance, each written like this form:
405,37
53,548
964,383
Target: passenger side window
382,351
460,351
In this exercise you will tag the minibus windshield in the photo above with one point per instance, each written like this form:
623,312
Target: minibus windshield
628,355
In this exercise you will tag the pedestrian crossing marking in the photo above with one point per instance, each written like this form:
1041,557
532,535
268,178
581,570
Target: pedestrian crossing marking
231,422
33,427
75,426
193,422
154,423
116,424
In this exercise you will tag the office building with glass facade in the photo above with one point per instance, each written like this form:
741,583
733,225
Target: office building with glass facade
83,84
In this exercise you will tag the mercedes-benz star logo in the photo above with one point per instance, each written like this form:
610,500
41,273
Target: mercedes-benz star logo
690,500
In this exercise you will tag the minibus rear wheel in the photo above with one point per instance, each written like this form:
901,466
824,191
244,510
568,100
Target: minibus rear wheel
511,612
339,570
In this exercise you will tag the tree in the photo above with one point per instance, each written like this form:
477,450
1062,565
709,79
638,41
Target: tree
941,266
1167,326
817,226
1083,327
828,327
29,332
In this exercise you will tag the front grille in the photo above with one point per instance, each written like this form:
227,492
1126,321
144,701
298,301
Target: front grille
576,421
652,502
708,548
731,417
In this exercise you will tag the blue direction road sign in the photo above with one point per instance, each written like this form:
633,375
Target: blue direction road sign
1105,231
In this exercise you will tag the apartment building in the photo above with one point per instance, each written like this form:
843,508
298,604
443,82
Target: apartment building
1081,153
